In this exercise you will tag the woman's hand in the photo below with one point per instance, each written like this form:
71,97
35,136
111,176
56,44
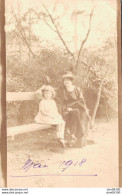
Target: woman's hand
69,109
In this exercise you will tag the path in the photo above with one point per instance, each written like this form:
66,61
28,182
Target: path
101,156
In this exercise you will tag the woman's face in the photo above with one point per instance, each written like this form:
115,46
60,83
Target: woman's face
67,82
47,95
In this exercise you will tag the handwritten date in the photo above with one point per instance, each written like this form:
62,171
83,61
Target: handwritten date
64,165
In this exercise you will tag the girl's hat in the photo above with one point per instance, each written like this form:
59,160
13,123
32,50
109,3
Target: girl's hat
49,88
68,75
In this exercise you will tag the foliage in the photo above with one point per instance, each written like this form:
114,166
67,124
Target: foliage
30,64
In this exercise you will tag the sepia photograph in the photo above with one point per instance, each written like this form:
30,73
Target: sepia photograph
62,93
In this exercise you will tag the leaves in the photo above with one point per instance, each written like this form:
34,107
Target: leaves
33,62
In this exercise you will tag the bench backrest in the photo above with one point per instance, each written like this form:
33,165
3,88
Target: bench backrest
21,96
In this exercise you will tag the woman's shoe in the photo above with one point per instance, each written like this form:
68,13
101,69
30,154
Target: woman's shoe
72,141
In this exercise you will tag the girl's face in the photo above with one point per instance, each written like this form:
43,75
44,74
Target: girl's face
47,95
67,82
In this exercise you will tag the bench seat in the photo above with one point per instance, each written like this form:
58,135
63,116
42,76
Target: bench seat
12,131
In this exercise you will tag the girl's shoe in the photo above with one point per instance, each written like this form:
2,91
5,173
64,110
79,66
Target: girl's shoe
62,141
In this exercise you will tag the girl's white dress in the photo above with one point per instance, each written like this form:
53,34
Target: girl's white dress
48,113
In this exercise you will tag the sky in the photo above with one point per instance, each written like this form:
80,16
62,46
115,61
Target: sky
103,21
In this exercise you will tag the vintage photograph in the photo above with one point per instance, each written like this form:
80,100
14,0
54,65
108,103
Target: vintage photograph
62,93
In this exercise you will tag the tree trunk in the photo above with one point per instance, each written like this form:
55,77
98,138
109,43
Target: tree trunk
96,104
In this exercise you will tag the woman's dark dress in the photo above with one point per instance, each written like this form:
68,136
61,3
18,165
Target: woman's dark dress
74,117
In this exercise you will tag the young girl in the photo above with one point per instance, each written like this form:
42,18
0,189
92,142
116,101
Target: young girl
48,112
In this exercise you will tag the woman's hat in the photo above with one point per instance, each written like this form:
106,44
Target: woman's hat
68,75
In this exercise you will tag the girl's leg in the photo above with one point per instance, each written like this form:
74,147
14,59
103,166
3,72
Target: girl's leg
60,130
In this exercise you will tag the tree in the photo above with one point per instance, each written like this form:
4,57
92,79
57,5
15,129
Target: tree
90,66
23,27
53,24
100,76
48,18
99,90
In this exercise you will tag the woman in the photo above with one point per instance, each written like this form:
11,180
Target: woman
74,110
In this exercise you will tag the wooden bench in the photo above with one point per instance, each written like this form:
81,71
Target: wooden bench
27,96
12,131
21,96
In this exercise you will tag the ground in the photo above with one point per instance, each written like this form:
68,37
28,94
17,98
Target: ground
95,165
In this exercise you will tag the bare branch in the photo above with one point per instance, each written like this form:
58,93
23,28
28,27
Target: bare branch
48,25
24,39
22,36
105,74
57,31
82,44
99,95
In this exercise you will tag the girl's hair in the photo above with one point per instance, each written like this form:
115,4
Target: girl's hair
48,88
